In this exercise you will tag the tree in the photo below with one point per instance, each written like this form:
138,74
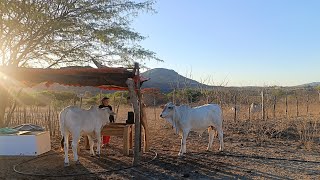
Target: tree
52,33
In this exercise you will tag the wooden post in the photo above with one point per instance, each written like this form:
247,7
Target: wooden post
235,108
126,140
274,106
114,102
80,102
49,120
319,97
24,114
287,105
308,104
75,100
139,102
249,111
262,105
154,107
136,107
297,106
4,101
221,100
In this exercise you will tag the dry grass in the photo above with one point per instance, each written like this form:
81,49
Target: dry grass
304,128
255,149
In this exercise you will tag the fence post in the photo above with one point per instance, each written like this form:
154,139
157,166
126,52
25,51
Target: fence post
80,102
24,114
220,100
154,107
286,105
274,106
235,108
49,121
319,97
308,104
262,105
297,106
249,111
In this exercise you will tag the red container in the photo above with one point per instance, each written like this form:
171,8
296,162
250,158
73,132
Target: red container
105,139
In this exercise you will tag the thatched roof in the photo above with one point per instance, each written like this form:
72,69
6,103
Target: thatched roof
105,78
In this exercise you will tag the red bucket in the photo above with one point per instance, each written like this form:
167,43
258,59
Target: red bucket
105,139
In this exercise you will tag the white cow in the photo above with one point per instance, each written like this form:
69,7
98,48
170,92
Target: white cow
184,119
255,108
79,122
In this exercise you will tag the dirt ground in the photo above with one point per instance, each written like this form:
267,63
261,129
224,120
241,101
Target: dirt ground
244,158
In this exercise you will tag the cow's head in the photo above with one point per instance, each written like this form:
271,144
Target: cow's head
168,110
106,112
170,113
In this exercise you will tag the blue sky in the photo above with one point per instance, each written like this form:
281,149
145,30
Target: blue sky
246,42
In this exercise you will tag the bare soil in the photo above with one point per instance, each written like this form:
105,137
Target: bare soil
246,156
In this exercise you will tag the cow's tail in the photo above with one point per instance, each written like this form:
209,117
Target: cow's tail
62,125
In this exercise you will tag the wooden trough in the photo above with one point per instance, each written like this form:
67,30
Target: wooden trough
121,130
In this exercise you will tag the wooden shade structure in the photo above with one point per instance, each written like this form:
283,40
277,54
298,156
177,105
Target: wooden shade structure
104,78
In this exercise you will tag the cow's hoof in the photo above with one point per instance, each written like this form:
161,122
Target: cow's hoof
180,154
98,155
78,162
66,164
92,155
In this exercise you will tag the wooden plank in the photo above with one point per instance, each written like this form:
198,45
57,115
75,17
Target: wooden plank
131,137
112,133
126,140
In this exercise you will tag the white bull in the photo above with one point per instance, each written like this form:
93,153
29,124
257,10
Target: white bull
79,122
184,118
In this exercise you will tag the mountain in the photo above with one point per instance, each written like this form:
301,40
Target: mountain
313,84
166,80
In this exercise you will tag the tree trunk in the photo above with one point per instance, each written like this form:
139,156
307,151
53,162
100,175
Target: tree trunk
3,105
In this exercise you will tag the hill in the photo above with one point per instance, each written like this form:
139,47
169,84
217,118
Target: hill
166,80
313,84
